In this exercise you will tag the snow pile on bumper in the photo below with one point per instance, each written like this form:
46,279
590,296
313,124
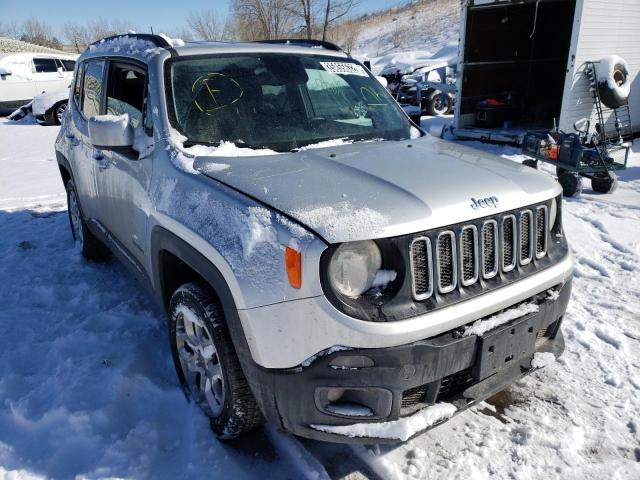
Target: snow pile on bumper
401,429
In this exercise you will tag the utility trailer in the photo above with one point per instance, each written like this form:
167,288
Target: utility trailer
521,65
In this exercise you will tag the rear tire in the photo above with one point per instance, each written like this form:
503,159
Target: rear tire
571,184
87,242
605,183
207,364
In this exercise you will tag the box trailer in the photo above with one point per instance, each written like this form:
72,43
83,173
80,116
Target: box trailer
522,62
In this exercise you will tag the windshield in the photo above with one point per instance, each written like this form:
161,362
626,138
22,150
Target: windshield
279,101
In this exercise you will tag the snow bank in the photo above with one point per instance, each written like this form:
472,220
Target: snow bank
482,326
401,429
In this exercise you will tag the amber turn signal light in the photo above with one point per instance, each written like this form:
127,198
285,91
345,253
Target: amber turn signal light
293,263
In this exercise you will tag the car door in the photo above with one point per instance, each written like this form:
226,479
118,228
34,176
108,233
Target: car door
123,181
86,161
19,87
48,74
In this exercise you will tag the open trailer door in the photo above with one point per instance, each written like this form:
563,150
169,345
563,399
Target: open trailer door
512,67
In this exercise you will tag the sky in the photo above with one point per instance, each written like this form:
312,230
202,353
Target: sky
161,14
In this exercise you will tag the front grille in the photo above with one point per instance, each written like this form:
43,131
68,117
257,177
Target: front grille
413,396
446,262
541,229
489,249
457,257
509,247
455,383
469,255
421,268
525,237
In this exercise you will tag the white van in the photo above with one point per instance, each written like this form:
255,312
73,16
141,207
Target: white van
24,75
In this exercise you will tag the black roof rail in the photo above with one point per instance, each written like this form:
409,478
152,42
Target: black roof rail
157,40
303,42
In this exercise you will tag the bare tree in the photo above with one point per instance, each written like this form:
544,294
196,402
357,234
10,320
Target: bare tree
308,7
334,11
100,28
319,16
40,33
263,19
10,30
77,35
345,34
398,35
206,25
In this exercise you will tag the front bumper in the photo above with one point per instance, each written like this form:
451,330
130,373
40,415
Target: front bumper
396,382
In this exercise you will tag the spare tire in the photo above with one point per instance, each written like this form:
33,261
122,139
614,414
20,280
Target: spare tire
613,81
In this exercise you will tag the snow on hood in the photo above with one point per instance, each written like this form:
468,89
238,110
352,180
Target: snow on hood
383,189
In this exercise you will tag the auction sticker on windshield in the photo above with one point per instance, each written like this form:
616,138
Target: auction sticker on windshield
344,68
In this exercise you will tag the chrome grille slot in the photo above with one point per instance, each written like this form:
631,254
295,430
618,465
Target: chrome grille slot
489,249
526,237
541,231
446,262
509,245
468,255
421,268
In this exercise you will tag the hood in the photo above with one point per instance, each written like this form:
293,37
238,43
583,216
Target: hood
382,189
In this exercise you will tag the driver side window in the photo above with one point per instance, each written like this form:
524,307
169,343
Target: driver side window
126,92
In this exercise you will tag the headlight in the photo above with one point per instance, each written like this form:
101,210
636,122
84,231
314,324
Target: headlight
353,267
553,212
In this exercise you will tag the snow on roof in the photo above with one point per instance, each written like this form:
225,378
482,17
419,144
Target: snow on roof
129,45
408,62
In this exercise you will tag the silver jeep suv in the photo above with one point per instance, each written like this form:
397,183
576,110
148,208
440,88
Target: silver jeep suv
324,264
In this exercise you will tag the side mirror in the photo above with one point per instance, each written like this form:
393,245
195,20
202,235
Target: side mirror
5,71
111,132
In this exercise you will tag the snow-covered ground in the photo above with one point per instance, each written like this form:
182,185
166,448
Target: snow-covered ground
425,27
87,387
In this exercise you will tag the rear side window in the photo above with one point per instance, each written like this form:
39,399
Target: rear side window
92,88
125,92
69,65
43,65
78,84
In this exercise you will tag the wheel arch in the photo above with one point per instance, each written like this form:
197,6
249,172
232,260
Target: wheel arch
64,167
175,262
167,249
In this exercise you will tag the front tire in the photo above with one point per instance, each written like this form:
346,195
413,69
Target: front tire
87,242
206,362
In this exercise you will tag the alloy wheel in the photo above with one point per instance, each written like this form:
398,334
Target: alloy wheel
200,362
